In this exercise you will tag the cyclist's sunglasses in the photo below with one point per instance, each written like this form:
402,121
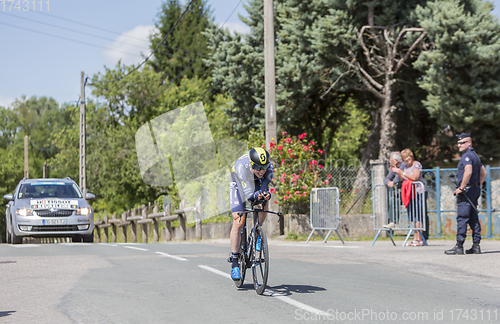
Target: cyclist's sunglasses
260,167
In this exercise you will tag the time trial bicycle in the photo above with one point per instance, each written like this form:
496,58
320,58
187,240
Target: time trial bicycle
248,255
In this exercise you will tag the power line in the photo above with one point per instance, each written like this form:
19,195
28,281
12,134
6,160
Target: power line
155,50
69,29
166,86
82,24
69,39
164,38
169,84
232,12
93,35
114,32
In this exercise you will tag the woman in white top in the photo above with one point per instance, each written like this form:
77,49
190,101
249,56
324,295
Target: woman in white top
413,171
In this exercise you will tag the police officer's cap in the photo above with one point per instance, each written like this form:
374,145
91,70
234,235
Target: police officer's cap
462,136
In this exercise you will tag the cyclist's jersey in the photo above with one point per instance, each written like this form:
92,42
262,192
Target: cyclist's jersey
245,184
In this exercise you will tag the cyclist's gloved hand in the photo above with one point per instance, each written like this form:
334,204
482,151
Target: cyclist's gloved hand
256,195
266,195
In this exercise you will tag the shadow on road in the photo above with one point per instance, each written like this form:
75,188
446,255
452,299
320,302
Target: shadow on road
485,252
247,287
3,314
287,290
301,289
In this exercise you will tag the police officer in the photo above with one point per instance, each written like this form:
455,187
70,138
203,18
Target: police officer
470,176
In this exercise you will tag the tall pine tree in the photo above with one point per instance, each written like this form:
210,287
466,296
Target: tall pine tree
371,45
180,53
462,71
321,64
238,69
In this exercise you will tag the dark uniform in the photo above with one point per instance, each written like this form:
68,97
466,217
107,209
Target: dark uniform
467,212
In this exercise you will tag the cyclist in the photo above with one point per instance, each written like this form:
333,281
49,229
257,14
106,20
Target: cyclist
250,178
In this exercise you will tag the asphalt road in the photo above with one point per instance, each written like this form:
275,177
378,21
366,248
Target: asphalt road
189,283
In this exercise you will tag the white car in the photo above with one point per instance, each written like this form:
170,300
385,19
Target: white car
49,208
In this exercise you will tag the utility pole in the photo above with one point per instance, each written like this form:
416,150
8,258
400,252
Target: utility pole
83,185
270,84
26,168
270,79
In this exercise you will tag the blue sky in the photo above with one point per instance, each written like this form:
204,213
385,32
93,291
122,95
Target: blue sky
45,48
43,60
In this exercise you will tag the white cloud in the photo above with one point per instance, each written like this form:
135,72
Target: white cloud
129,46
5,101
240,28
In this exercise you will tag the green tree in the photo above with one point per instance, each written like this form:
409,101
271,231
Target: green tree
181,51
350,137
67,141
462,71
321,66
238,69
130,95
11,172
371,44
9,127
38,118
131,102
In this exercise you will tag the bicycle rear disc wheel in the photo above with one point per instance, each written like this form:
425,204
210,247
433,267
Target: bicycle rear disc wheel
243,269
260,262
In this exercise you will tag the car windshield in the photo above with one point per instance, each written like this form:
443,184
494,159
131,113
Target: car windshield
49,190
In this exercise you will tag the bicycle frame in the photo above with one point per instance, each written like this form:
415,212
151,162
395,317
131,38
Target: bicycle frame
248,256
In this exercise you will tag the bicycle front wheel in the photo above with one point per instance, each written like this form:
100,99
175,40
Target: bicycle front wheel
241,259
243,269
260,261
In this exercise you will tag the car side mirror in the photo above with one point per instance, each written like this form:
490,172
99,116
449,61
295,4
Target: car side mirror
8,197
89,196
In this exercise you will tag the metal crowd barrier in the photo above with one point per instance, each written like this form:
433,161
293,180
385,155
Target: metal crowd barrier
388,209
324,204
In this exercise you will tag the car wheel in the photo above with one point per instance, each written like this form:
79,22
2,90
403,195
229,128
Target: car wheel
16,239
88,238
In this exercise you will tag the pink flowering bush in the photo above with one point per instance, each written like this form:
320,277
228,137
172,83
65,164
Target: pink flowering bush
296,172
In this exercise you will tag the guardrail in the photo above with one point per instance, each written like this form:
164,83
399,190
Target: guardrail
390,214
143,217
325,214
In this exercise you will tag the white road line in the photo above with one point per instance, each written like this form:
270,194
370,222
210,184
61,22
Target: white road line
271,293
171,256
295,303
327,246
135,248
76,244
108,244
24,245
220,273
